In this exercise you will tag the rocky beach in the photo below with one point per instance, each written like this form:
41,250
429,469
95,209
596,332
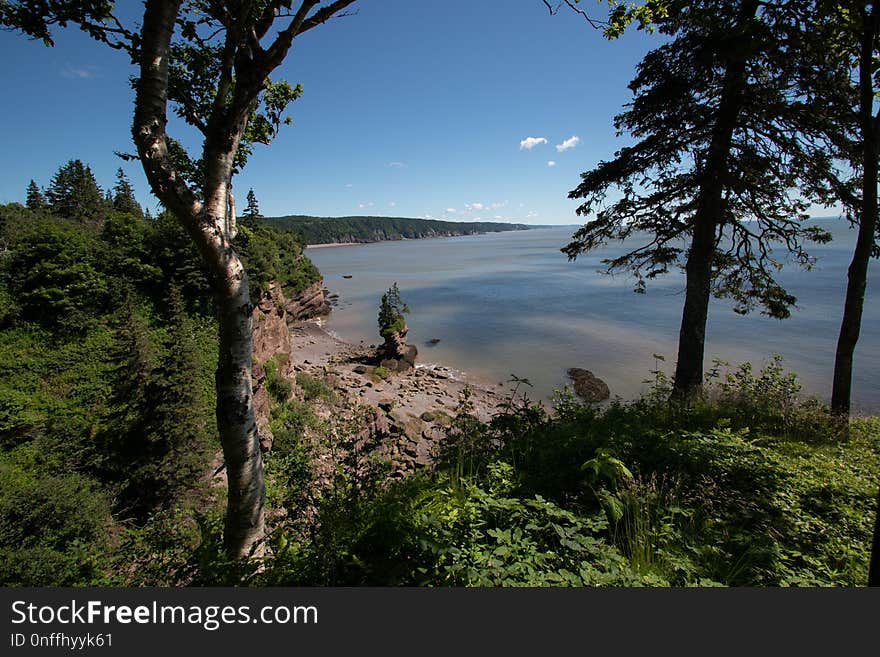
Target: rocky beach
401,413
426,388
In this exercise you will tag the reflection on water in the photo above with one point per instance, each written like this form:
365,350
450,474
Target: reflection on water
511,303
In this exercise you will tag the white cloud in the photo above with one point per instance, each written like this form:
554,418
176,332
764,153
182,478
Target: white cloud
397,165
529,143
551,163
497,205
531,215
474,206
365,204
348,185
392,204
451,210
571,142
78,72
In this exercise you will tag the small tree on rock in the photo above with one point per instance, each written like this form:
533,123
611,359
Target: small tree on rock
399,356
391,311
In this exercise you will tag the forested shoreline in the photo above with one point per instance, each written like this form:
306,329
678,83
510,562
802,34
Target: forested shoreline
354,230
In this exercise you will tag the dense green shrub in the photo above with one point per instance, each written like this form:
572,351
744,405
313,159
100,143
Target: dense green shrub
52,275
52,527
314,388
278,387
273,255
747,503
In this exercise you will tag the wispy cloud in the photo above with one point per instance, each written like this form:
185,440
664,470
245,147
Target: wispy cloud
498,204
551,163
529,143
397,165
348,185
571,142
392,204
531,215
72,72
474,206
451,210
365,204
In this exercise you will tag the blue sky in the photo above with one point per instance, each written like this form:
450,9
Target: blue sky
416,108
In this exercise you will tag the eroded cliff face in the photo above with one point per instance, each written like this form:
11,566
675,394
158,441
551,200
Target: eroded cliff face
307,304
272,316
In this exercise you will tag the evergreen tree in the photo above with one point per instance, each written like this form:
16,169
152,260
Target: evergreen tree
74,193
252,211
35,198
126,256
154,444
178,260
391,311
729,156
181,405
124,444
854,29
123,196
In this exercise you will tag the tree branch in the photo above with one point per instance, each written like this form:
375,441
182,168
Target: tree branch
595,24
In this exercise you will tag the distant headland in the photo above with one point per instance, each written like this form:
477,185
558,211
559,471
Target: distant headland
356,230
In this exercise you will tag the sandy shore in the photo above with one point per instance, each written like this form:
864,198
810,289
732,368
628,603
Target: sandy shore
428,388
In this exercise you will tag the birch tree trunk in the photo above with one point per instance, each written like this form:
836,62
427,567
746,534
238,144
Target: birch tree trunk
208,224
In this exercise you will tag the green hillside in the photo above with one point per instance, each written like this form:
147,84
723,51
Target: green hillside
325,230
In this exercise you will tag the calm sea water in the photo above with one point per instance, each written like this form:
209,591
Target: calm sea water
511,303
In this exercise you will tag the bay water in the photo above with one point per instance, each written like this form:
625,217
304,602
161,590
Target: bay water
512,304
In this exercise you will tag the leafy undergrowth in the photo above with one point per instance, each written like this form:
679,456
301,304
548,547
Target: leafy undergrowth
720,492
748,486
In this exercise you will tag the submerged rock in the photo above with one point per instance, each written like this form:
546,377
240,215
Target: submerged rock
588,386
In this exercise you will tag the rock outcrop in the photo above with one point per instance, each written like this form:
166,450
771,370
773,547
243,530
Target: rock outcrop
588,386
397,355
308,303
272,316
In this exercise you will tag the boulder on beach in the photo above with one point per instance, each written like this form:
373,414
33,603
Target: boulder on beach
588,386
